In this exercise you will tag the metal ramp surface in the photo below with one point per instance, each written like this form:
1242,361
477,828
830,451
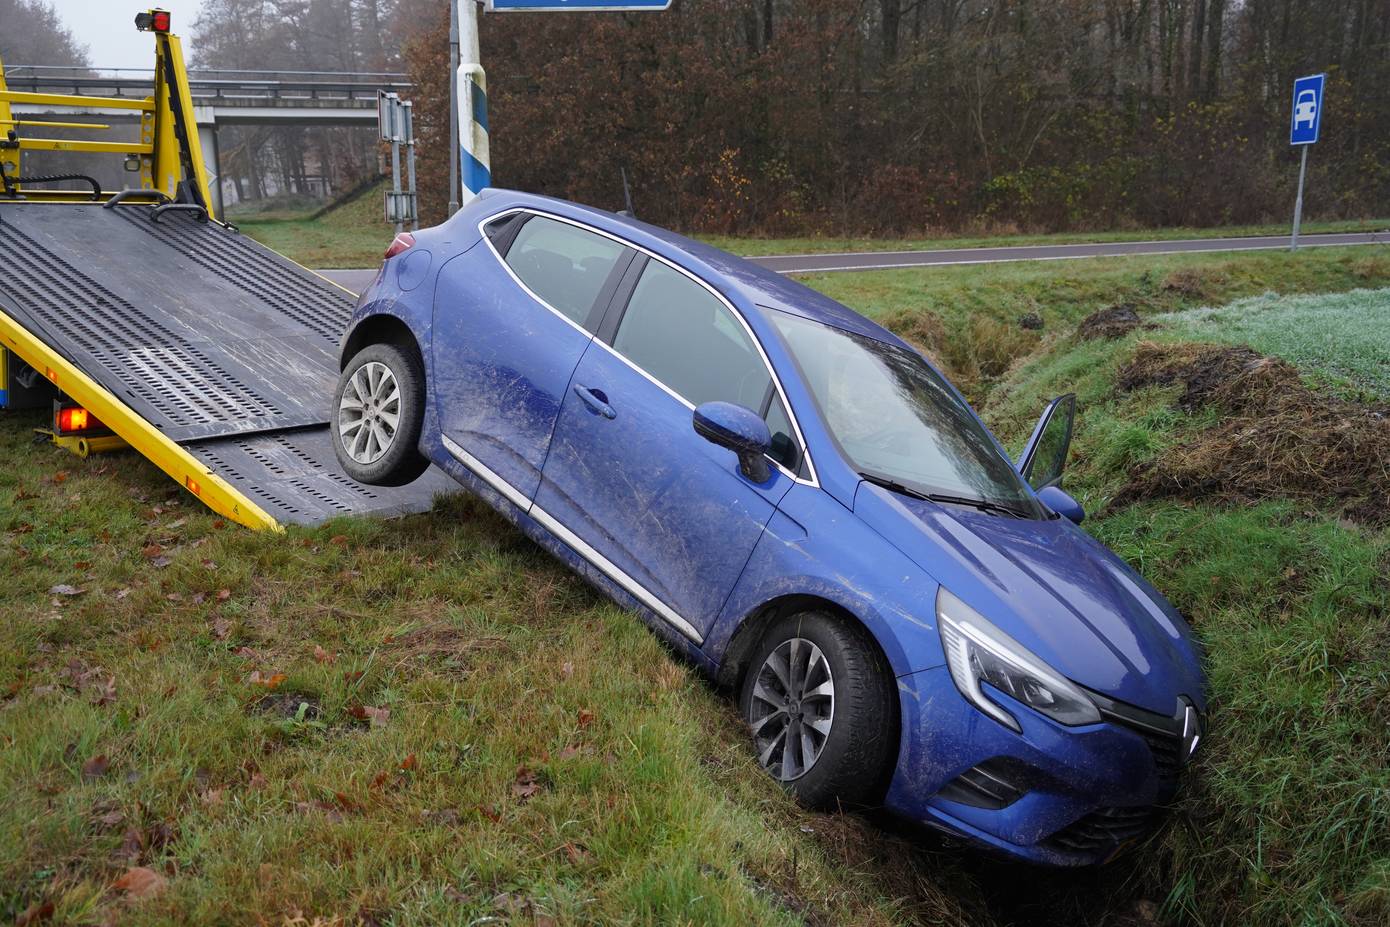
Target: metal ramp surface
219,344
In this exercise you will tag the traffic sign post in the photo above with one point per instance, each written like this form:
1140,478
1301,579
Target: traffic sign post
1303,132
469,84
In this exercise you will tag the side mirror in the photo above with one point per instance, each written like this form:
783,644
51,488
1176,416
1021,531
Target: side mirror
1061,502
740,430
1045,457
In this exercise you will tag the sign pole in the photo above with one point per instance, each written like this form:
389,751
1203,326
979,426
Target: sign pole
453,106
474,161
1298,203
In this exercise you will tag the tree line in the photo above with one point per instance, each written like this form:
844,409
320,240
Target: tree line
901,116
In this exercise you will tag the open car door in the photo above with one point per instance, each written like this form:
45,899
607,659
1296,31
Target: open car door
1045,457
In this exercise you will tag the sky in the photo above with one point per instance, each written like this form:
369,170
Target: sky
107,28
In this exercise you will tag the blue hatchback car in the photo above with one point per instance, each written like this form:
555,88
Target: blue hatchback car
799,502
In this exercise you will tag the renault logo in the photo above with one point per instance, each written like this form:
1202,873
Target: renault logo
1191,731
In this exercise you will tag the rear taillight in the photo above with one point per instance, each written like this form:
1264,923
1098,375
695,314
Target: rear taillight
401,242
74,419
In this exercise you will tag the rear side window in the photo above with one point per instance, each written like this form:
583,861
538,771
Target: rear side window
565,266
678,332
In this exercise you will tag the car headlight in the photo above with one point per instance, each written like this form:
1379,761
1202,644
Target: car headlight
977,651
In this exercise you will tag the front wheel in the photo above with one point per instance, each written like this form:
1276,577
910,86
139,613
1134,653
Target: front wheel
819,699
377,414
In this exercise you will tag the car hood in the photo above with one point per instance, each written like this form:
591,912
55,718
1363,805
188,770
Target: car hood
1056,590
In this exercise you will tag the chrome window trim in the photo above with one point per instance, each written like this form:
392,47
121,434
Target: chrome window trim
814,480
572,540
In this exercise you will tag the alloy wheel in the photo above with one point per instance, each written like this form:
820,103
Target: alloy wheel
792,708
369,412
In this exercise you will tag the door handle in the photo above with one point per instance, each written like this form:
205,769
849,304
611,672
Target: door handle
595,400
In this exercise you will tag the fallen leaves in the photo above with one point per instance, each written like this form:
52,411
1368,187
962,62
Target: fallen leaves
65,589
96,767
586,717
323,656
36,912
375,717
526,784
140,882
270,682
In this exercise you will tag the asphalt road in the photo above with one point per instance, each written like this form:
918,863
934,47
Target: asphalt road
883,260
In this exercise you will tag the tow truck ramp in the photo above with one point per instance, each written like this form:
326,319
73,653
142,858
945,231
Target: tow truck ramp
207,352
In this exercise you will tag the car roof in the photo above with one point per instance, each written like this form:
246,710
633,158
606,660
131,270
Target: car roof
729,273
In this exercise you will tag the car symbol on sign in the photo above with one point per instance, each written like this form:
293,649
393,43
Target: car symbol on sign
1305,108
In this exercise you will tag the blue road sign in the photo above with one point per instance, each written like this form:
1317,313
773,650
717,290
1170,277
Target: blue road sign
553,6
1307,109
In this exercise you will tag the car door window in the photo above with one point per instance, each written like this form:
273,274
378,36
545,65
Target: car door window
563,265
681,334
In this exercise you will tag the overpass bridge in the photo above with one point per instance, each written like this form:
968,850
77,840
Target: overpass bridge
221,97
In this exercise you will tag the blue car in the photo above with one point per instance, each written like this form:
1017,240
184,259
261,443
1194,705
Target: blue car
797,501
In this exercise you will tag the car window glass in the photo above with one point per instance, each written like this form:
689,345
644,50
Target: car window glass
678,332
896,418
563,265
784,447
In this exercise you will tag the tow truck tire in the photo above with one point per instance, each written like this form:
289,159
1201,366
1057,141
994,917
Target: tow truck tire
378,409
821,683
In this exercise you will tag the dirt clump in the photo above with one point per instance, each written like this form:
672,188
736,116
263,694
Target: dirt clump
1112,323
1275,436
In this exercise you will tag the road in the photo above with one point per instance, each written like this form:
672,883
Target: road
884,260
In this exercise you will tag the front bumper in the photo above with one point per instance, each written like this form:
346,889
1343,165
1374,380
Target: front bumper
1057,795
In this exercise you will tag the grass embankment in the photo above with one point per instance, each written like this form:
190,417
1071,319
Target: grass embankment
754,247
351,235
355,235
1287,818
428,721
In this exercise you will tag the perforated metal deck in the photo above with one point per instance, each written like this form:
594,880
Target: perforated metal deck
223,345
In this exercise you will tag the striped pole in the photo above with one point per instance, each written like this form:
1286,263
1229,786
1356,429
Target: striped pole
474,162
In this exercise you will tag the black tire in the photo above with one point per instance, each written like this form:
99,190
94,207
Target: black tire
401,462
854,760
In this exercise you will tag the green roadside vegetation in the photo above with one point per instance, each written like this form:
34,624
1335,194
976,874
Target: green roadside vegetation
349,234
757,247
427,720
355,235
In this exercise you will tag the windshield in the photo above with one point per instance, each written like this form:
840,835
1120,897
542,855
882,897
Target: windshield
896,420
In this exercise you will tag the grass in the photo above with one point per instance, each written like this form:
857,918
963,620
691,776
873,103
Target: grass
1341,338
352,235
967,317
455,728
427,720
756,247
355,235
1287,819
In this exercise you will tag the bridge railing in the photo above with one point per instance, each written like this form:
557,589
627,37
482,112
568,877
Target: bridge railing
240,86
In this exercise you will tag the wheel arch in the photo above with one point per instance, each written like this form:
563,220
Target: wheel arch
379,329
738,652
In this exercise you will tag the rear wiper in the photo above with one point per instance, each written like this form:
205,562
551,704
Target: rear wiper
983,505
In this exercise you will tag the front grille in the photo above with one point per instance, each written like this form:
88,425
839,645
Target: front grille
1167,751
1164,735
1104,828
996,783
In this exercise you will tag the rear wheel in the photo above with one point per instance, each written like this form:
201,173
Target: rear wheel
377,413
818,697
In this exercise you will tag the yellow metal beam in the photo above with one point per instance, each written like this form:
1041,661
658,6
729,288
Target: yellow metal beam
69,144
212,490
54,125
167,45
69,99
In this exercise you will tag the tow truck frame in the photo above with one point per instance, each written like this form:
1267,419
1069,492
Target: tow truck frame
157,326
